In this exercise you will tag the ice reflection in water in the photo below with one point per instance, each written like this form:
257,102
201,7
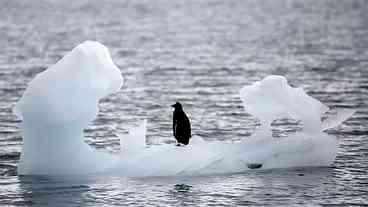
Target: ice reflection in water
271,187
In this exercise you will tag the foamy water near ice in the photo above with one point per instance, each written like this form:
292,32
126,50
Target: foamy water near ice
202,53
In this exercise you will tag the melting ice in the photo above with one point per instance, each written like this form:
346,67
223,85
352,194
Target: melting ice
60,102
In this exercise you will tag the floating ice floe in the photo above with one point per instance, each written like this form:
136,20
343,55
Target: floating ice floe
60,102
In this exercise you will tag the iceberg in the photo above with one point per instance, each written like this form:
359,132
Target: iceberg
60,102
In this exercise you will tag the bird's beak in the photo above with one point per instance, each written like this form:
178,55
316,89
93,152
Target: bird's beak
173,105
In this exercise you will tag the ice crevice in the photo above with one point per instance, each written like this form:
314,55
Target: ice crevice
61,101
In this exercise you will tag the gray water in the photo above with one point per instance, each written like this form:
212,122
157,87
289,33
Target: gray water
201,53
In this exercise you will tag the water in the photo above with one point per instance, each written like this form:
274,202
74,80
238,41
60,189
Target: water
201,53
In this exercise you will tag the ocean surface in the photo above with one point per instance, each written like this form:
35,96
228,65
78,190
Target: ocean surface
201,53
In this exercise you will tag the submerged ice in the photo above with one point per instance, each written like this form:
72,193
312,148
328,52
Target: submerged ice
60,102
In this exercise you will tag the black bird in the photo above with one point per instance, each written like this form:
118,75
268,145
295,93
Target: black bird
181,125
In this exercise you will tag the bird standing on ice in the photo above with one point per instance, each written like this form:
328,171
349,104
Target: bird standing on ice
181,125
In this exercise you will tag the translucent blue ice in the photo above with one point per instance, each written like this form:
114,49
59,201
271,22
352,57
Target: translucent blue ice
61,101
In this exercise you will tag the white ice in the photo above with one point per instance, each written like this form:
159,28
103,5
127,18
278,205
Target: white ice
60,102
